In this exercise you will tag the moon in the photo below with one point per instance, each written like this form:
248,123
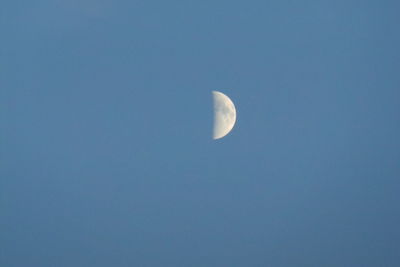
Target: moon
224,115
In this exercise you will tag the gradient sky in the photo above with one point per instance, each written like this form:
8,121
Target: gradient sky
106,153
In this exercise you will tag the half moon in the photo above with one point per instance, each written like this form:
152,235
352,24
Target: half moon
224,115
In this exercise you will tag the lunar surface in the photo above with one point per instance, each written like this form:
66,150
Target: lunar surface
224,115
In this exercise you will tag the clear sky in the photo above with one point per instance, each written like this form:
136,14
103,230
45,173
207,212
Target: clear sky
106,150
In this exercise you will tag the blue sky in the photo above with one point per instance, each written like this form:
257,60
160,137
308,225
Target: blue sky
106,153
